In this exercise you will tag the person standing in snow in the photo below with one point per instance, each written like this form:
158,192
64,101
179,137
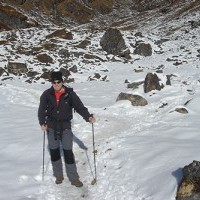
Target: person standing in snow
55,113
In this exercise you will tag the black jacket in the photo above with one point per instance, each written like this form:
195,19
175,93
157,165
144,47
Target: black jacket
51,114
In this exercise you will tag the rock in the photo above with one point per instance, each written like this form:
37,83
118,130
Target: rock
135,100
75,10
1,71
103,7
46,75
62,33
84,44
143,49
181,110
17,68
135,85
168,82
148,5
194,24
73,69
113,43
44,58
64,53
11,18
189,188
97,76
151,83
66,73
32,74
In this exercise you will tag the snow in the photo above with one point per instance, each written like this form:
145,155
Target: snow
140,150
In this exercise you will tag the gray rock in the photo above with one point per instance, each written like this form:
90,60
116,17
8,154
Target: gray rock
17,68
189,188
113,43
143,49
151,83
135,100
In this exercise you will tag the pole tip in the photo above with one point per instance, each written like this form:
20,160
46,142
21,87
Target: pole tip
93,181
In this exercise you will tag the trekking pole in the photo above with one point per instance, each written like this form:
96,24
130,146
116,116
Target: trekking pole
94,151
43,156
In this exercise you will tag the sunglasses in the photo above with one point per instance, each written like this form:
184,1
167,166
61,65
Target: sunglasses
56,82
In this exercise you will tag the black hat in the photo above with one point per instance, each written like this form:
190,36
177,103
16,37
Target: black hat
56,76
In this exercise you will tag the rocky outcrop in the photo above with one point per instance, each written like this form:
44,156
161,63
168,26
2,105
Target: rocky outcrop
83,11
10,18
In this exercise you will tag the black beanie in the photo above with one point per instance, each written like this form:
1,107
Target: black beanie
56,76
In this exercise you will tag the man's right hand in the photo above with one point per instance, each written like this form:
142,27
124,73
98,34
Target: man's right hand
44,127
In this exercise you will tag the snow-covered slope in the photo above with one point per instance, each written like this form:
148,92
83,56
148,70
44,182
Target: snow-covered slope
140,150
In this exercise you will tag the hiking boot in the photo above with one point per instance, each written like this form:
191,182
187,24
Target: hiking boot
59,179
77,183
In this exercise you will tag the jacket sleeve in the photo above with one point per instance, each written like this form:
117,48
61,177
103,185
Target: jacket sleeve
42,109
79,107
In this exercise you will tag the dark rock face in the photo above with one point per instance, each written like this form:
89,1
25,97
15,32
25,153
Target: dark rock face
11,18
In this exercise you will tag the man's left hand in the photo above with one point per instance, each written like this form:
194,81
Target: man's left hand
92,120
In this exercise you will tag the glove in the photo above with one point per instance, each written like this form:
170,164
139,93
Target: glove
92,119
44,127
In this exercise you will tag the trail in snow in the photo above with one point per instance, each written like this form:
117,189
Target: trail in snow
106,125
132,143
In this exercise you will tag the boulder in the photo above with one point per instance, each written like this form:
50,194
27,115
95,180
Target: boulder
135,100
113,43
181,110
189,188
151,82
17,68
143,49
61,33
44,58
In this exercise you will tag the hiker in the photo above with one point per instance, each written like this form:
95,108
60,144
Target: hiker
55,113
